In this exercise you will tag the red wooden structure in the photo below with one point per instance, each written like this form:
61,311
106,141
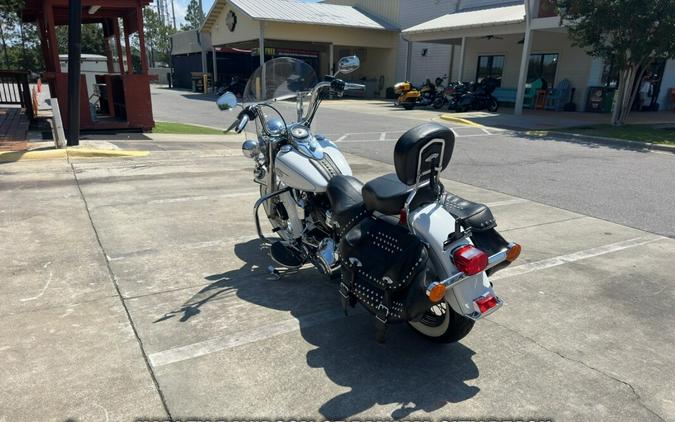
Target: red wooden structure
120,98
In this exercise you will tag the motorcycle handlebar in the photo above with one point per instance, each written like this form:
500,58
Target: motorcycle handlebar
354,87
242,123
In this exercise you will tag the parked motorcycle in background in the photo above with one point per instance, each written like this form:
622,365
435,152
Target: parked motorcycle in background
479,97
403,247
408,95
451,94
430,91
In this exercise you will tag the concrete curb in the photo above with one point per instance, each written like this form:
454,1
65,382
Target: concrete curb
603,140
450,118
51,154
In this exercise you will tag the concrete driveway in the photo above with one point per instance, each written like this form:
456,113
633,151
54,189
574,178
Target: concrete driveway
136,288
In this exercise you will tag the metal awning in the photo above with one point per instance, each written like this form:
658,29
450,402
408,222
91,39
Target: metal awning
293,11
475,19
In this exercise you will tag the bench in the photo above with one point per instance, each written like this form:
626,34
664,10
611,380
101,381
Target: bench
505,95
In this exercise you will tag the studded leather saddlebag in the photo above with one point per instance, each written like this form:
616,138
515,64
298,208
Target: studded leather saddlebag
384,268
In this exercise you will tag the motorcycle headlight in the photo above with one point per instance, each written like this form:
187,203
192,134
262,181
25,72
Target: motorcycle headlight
250,148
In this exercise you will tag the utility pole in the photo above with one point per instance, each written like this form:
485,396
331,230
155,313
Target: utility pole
74,50
173,12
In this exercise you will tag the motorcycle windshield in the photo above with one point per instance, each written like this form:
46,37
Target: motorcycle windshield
279,78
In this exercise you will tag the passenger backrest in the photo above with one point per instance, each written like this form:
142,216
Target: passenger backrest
422,151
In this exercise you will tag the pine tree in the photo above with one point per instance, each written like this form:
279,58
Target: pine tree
193,17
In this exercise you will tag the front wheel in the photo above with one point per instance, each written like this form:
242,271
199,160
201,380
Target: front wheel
438,103
441,324
408,106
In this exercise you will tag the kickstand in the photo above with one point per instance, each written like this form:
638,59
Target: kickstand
278,272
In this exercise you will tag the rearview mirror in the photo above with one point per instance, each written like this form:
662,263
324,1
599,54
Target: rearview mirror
348,64
227,101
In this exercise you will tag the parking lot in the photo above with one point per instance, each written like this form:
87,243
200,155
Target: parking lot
136,288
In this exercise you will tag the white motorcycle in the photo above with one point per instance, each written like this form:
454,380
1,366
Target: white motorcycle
404,248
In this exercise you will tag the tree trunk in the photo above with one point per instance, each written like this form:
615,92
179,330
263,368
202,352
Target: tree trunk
23,47
618,99
4,45
636,85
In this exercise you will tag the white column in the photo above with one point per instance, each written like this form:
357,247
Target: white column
215,65
330,58
261,52
462,54
261,43
524,59
408,63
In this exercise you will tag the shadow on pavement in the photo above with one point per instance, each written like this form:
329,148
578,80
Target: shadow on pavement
408,371
584,141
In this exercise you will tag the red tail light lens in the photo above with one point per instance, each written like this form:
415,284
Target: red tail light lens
485,303
469,259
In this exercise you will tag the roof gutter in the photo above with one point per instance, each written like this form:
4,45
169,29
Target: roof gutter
453,28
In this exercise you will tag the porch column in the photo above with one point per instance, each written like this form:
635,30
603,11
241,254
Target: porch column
408,63
215,65
261,43
261,52
330,58
522,73
462,53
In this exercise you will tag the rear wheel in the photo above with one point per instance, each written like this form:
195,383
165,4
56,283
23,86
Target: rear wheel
441,324
408,106
493,105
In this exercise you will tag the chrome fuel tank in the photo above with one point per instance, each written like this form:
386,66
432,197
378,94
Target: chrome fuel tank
310,174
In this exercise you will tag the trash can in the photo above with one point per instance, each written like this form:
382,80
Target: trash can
600,99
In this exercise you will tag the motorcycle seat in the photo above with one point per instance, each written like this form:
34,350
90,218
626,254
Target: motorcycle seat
344,194
387,195
475,215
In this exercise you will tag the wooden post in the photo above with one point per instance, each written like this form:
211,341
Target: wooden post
130,64
141,38
51,34
108,55
118,44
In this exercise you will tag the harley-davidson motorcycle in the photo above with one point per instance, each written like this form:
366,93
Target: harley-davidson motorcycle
403,247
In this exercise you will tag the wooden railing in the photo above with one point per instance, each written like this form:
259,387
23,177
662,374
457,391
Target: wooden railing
14,89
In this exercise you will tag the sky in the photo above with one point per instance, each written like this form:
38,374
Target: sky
181,8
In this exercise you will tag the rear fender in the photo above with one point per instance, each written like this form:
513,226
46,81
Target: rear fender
433,224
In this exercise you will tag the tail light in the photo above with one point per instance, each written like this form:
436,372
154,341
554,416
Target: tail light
469,259
485,303
513,253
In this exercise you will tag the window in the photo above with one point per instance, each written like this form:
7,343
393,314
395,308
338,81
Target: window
490,67
542,66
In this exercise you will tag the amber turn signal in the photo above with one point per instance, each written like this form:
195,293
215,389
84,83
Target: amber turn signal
513,253
436,292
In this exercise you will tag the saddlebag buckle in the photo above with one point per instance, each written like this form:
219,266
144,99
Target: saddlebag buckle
378,315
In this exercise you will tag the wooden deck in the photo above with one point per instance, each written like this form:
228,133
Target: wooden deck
13,129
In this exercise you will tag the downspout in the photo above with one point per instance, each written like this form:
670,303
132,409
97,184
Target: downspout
408,63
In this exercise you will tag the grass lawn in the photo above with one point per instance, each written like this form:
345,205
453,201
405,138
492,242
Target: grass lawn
180,128
641,133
